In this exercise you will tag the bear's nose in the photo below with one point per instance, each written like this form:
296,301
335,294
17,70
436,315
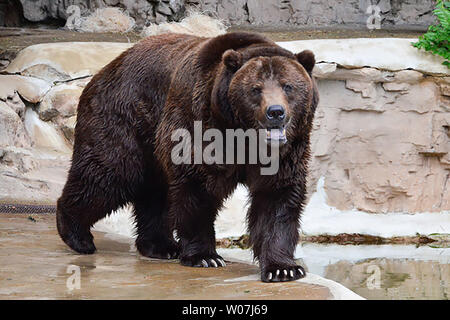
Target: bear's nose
275,112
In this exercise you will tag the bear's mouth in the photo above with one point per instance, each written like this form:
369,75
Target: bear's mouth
276,135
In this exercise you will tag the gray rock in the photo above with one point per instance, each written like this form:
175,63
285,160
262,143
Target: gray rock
16,104
267,13
311,13
112,2
233,11
20,158
4,64
12,130
164,8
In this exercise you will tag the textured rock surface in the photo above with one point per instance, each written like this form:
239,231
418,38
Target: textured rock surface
319,13
107,19
195,23
31,89
34,176
383,146
393,55
381,135
60,102
143,11
12,130
313,13
64,61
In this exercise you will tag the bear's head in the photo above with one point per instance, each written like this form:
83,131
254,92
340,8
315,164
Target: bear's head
267,87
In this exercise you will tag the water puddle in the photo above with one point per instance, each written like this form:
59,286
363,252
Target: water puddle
382,271
374,272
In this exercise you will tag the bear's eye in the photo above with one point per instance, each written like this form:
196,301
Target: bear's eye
288,88
256,90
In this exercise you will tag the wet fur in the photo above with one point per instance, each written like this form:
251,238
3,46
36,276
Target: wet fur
122,150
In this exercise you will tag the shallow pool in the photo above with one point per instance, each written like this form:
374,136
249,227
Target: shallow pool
384,271
395,272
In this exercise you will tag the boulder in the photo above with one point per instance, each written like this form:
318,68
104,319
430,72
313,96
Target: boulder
376,53
31,89
16,104
324,70
62,61
12,130
67,126
60,101
44,134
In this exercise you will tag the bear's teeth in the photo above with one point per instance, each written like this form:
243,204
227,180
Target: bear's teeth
275,134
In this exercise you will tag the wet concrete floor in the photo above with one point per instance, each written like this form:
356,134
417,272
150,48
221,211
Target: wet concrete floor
36,264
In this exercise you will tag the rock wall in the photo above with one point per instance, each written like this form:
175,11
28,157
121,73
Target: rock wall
38,100
318,13
273,13
382,140
381,135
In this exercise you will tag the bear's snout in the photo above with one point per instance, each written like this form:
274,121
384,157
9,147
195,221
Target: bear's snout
275,114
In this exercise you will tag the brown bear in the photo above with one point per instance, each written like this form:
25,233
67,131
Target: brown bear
122,152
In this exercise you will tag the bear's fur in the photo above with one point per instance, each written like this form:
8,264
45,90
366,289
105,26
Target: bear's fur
122,150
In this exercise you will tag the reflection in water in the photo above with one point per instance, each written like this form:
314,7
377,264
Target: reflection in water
399,279
382,272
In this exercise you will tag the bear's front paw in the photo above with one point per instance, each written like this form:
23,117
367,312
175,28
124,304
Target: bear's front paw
277,273
203,261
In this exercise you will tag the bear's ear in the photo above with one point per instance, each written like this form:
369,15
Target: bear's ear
232,60
306,59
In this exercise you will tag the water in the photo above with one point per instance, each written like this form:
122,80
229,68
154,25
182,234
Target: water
371,271
384,271
376,272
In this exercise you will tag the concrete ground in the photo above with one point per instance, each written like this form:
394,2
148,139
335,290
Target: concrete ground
36,264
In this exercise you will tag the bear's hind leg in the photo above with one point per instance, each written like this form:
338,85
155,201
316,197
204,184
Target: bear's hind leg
154,236
74,221
81,205
75,234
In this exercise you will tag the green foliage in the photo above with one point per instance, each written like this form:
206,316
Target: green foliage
437,38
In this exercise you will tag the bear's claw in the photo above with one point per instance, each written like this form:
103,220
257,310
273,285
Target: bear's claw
283,274
214,262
